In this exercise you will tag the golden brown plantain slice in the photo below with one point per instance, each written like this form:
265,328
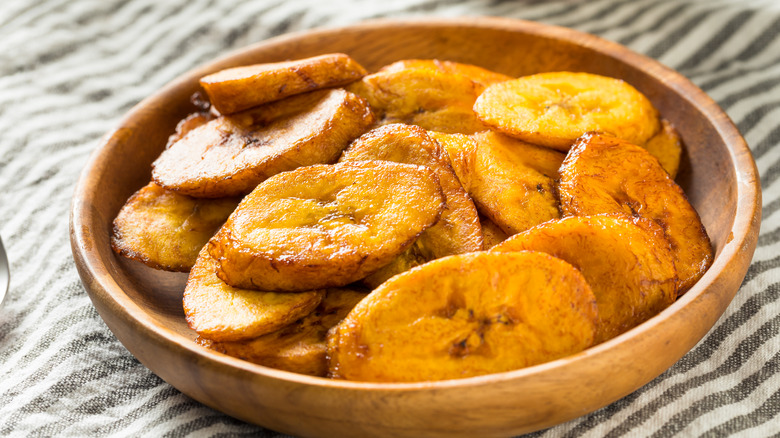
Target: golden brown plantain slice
554,109
626,261
299,347
510,181
326,225
492,235
666,146
465,315
481,76
458,229
236,89
166,230
427,97
603,174
223,313
230,155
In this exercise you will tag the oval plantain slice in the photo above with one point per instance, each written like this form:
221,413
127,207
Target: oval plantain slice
166,230
427,97
220,312
326,225
481,76
627,262
299,347
603,174
554,109
666,146
465,315
230,155
510,181
239,88
457,230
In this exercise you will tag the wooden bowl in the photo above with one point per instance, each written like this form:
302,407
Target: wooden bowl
143,307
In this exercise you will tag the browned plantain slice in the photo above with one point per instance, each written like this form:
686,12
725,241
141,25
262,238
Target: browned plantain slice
458,229
477,74
326,225
230,155
626,261
223,313
465,315
603,174
666,146
299,347
510,181
166,230
554,109
427,97
236,89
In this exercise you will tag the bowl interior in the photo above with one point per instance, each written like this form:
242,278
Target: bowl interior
143,306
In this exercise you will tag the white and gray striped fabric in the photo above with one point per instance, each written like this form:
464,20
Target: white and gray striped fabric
69,69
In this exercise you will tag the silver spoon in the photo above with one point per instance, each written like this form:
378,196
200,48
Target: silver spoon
5,274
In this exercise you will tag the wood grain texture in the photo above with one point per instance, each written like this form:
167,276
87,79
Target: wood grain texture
140,305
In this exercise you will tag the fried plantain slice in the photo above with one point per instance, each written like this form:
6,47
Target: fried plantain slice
627,262
299,347
220,312
230,155
427,97
458,229
604,174
481,76
510,181
666,146
326,225
554,109
465,315
236,89
166,230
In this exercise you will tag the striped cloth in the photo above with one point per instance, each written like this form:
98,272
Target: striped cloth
69,69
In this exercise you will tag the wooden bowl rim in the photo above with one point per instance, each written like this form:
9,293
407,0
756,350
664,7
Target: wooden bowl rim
102,288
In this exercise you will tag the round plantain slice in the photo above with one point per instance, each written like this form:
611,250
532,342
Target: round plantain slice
465,315
627,262
481,76
666,146
166,230
457,230
510,181
554,109
299,347
236,89
427,97
220,312
326,225
230,155
603,174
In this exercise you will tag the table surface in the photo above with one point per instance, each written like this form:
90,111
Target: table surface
70,69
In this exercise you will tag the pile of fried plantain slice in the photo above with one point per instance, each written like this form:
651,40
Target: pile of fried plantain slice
432,220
